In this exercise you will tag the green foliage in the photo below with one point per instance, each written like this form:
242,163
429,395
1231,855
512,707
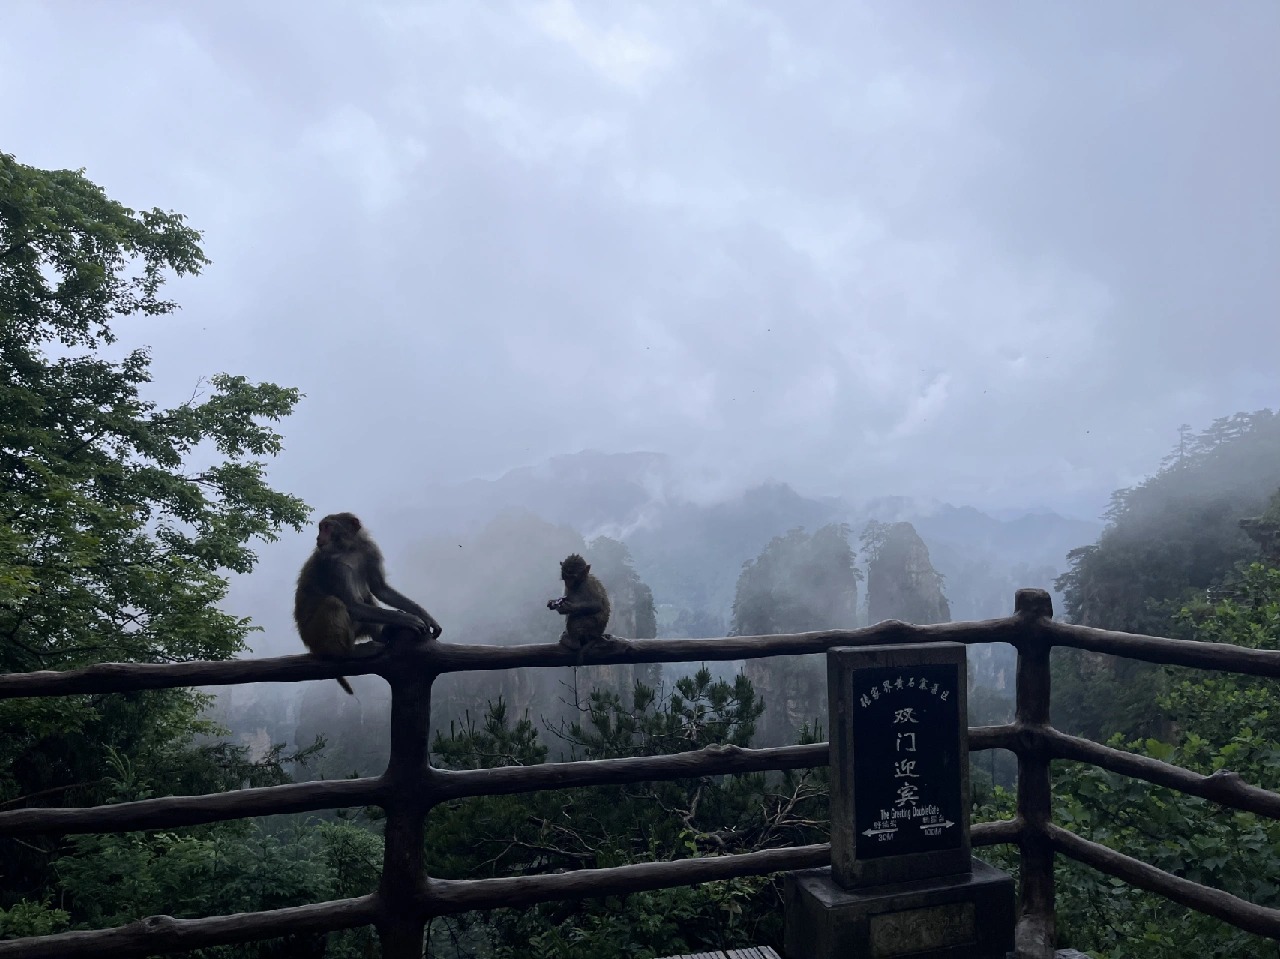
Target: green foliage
1188,837
901,581
1169,541
25,918
1099,696
118,522
1232,719
644,924
1177,533
114,878
698,713
118,877
1227,722
799,582
113,545
610,826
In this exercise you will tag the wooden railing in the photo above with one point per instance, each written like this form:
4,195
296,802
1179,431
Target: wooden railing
410,787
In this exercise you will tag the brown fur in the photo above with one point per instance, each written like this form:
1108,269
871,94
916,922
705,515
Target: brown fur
335,602
584,606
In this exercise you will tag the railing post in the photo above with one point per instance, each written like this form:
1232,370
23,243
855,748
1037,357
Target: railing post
400,929
1034,938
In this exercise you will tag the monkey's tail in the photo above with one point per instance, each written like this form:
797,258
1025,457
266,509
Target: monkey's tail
346,685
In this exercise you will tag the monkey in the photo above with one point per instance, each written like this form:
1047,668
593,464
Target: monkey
334,602
585,606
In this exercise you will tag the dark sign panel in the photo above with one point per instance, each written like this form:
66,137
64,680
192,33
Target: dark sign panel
906,759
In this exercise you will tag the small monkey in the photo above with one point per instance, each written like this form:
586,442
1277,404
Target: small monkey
585,606
334,603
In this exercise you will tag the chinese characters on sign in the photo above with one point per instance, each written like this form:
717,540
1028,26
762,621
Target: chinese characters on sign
906,756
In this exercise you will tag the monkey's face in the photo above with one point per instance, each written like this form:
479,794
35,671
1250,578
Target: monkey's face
337,530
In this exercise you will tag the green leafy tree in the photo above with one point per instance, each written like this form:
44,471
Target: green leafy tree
1226,721
1226,716
610,826
901,581
1168,541
1265,530
118,519
800,581
1177,533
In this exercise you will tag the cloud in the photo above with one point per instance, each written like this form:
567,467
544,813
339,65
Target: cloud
621,56
966,253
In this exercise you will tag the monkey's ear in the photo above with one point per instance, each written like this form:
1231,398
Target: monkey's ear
355,524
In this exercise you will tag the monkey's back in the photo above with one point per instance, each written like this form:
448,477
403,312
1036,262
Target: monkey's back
598,589
325,574
308,594
588,625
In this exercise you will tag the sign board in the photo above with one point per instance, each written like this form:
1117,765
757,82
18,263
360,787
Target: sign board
899,763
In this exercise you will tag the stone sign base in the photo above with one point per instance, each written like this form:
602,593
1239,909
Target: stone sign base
969,916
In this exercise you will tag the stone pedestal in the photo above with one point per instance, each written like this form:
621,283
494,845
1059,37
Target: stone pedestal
967,916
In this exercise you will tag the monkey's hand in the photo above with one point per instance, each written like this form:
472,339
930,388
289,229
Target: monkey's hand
555,604
414,622
433,629
426,622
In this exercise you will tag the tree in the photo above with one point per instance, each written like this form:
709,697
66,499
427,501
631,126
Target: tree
114,543
1265,530
1226,721
1168,542
1177,533
1225,710
798,582
614,825
901,581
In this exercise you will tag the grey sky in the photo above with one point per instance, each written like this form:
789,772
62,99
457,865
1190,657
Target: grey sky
992,253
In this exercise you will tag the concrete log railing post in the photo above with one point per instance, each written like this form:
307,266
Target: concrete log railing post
1034,938
408,778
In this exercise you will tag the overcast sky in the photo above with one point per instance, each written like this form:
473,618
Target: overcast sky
993,253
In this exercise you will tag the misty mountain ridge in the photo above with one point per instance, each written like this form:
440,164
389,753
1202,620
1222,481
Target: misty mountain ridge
690,547
588,490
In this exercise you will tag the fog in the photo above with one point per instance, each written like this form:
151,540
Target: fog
986,255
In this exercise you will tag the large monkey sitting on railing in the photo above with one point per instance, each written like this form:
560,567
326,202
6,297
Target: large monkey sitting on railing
334,602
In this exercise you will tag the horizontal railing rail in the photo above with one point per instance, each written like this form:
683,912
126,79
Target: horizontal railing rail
1223,787
410,787
1212,902
436,658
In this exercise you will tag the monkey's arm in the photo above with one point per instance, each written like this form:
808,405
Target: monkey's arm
380,588
379,615
348,586
580,606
